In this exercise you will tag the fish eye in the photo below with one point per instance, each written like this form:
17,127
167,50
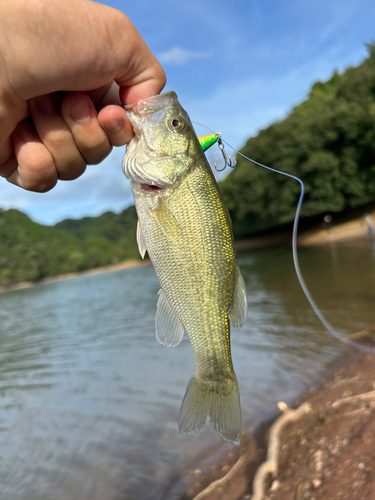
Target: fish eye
177,123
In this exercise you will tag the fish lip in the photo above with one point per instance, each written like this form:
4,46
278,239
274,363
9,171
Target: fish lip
159,100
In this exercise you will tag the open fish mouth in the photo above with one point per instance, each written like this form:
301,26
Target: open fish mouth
151,188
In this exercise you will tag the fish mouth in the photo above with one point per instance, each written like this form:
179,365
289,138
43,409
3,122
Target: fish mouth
150,188
152,104
139,164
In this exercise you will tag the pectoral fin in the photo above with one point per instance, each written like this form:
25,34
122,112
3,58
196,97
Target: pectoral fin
168,223
169,329
141,241
238,310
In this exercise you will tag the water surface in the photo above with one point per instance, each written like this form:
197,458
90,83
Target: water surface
89,400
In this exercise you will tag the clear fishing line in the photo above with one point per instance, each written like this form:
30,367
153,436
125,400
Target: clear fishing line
306,291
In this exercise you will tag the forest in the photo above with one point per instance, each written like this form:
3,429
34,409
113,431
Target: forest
31,251
328,141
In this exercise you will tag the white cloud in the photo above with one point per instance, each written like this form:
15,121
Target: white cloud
179,56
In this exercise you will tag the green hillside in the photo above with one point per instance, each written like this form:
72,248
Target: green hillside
113,233
31,251
328,141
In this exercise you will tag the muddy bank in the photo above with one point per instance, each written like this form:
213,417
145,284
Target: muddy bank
328,452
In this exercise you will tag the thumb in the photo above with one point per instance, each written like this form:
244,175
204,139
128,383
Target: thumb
139,74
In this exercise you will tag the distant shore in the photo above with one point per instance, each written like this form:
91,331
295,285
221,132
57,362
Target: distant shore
68,276
353,230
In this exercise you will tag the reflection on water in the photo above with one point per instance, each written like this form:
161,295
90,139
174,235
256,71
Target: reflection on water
89,400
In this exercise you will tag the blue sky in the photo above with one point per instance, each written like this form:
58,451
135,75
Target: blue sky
236,66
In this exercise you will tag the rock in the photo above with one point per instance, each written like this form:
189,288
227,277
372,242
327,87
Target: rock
316,483
275,486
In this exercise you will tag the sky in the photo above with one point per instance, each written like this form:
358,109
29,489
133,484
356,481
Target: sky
236,66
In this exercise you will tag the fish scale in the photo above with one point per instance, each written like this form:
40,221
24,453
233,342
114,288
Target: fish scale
186,229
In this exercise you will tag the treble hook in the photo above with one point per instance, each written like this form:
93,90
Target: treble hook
228,161
208,141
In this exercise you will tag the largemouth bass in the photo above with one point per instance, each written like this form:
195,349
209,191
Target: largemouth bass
185,227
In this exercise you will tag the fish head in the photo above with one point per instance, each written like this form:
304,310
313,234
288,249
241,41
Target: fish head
164,145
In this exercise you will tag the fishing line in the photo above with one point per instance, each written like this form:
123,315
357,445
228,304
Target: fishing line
301,280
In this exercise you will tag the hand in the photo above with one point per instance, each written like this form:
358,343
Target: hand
64,66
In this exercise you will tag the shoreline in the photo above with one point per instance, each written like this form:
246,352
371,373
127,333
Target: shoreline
360,228
337,433
354,230
128,264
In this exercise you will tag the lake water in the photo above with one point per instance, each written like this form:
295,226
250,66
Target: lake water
89,400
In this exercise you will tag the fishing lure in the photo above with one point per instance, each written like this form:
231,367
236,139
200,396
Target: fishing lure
208,141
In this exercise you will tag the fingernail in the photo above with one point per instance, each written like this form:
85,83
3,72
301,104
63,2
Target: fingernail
115,126
45,104
81,112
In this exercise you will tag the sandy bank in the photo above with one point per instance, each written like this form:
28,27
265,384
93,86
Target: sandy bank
90,272
355,229
346,231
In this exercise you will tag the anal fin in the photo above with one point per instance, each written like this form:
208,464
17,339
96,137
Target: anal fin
169,329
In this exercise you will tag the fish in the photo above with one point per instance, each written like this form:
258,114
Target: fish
186,229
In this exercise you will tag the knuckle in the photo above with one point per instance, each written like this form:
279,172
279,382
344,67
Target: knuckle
95,151
59,140
45,186
71,171
39,172
40,184
98,157
161,77
40,160
66,157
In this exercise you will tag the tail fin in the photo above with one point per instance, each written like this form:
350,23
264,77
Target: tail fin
212,402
